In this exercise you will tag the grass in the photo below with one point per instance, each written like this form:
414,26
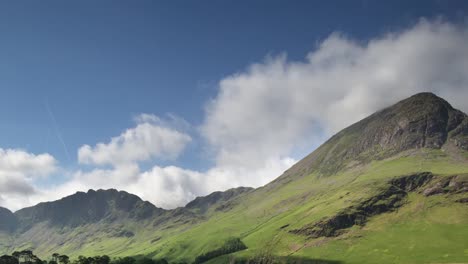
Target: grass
258,219
424,231
432,229
465,154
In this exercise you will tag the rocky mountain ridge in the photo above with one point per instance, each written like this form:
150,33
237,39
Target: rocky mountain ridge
421,121
106,205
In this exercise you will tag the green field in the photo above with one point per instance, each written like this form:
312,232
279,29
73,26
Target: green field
430,229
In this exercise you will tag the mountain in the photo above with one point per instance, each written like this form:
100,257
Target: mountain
217,200
421,121
81,219
391,188
8,221
91,207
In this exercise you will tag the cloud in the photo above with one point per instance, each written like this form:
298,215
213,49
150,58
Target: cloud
151,138
15,183
171,121
173,186
16,160
170,186
18,170
120,177
277,106
266,117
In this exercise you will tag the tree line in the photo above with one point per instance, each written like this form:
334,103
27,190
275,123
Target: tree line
28,257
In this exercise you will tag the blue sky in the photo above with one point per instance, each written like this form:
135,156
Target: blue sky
79,73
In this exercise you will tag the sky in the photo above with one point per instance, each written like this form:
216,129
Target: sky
175,99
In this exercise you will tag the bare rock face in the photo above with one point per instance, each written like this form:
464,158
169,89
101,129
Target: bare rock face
435,189
420,121
453,184
459,133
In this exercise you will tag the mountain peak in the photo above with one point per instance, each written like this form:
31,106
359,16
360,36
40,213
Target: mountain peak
424,99
92,206
423,120
426,95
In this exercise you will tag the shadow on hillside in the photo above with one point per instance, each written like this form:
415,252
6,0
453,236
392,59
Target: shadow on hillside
287,260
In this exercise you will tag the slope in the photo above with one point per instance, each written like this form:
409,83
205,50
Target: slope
390,188
421,133
103,221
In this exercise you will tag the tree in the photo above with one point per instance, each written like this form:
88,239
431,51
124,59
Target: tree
125,260
63,259
26,256
144,260
35,259
83,260
104,259
55,256
16,255
5,259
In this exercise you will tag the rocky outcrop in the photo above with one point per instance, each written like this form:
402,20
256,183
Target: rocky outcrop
453,184
389,199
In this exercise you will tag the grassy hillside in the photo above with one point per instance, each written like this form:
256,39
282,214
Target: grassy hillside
262,221
361,197
424,229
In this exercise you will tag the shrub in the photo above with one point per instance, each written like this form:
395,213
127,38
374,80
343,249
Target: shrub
230,246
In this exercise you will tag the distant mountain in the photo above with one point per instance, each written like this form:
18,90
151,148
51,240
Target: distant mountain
8,221
216,199
391,188
85,208
82,218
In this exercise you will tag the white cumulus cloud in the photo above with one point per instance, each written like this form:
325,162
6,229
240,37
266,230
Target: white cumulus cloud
275,107
149,139
267,116
173,186
18,170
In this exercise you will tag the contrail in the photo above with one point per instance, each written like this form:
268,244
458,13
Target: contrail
57,130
